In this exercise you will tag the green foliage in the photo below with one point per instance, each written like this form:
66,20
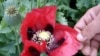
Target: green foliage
61,19
69,11
43,54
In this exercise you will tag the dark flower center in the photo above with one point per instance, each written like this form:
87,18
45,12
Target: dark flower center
30,33
60,42
41,35
45,35
49,28
33,51
56,44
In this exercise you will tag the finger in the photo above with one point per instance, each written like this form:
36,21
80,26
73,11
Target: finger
86,50
81,46
96,9
80,37
97,37
87,18
94,52
94,47
91,29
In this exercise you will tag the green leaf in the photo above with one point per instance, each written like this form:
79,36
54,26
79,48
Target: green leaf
18,41
43,54
84,4
2,38
71,12
1,9
3,24
8,3
52,1
5,30
48,4
99,53
22,10
10,48
10,36
98,1
29,4
1,1
66,2
4,53
61,19
26,3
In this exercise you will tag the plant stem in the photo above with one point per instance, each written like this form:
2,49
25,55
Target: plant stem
15,32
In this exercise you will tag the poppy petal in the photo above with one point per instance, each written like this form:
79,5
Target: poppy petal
66,37
33,49
38,19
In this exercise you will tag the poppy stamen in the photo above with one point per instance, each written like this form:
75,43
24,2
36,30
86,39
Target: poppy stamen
43,35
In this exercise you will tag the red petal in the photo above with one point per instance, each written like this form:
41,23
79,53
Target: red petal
37,19
37,47
45,15
70,45
25,53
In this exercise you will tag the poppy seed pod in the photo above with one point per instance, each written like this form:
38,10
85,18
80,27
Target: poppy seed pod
11,16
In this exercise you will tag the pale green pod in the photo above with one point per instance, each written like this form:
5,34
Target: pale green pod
11,16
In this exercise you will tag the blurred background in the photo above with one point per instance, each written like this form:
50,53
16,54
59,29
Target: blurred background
12,13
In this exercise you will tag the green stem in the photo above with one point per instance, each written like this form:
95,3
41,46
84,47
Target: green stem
15,32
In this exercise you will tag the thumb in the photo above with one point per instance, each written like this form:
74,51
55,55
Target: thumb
90,30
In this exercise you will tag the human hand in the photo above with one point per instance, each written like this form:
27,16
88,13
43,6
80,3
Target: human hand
89,31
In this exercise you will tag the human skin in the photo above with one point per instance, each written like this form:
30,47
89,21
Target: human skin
88,28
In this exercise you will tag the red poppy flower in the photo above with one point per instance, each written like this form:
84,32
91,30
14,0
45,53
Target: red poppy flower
40,33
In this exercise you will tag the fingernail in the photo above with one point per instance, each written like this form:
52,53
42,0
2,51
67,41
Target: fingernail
80,38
